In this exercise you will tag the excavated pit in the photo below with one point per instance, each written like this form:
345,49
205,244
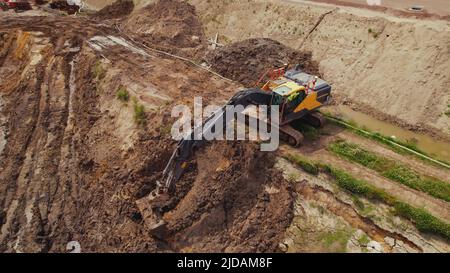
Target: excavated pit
73,160
377,63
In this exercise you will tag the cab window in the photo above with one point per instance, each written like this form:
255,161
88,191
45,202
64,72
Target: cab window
282,90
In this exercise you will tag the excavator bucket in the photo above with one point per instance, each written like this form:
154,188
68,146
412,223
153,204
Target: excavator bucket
149,207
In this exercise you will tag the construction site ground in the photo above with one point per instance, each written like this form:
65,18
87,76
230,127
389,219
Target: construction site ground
75,156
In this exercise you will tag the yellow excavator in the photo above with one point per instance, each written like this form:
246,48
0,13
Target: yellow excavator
298,96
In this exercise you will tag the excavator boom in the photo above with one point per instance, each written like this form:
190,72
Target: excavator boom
186,147
319,95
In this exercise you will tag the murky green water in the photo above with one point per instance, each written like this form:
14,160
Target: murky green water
437,149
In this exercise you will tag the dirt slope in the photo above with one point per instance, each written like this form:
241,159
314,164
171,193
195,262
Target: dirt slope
248,60
170,25
238,202
391,67
118,9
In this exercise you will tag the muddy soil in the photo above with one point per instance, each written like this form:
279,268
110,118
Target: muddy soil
248,60
238,202
118,9
75,162
60,180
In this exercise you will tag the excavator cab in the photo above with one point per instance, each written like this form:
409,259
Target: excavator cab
291,93
299,95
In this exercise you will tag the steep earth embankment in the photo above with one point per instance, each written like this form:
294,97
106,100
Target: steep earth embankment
390,67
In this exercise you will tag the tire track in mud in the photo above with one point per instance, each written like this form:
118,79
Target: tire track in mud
37,133
16,170
30,190
39,115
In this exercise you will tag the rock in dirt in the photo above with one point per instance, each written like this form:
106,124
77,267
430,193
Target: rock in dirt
118,9
390,241
374,247
247,60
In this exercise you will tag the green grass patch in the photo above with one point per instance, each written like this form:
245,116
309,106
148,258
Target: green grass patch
359,187
98,70
392,169
336,239
306,165
364,240
363,209
139,114
422,219
122,94
357,202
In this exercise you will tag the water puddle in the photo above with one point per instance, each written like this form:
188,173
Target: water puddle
436,148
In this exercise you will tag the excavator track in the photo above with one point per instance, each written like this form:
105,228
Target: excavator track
291,136
288,133
314,119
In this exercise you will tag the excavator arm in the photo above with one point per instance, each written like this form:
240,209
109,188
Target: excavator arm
186,147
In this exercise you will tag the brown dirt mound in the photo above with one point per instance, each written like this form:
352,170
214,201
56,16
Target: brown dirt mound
118,9
238,202
247,60
168,23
